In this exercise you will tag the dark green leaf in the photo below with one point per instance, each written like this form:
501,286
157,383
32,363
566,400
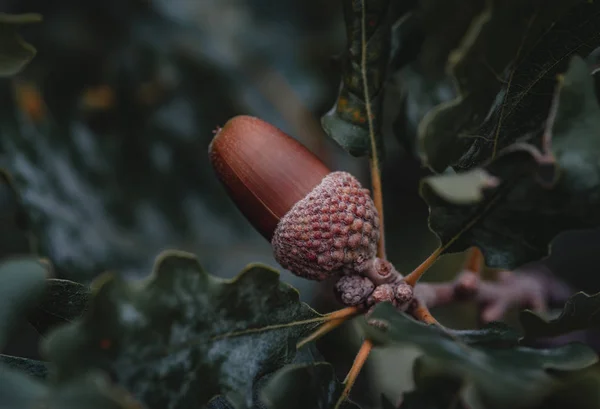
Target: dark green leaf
540,192
33,367
367,57
313,386
505,78
581,311
22,283
183,336
580,391
15,239
432,391
435,28
386,403
15,53
91,391
501,377
63,301
17,390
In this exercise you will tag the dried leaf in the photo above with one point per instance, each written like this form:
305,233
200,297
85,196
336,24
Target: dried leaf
182,336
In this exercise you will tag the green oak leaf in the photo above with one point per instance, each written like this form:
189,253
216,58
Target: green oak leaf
182,336
581,311
90,391
541,191
432,390
368,35
313,386
504,78
422,41
499,377
15,53
578,391
33,367
15,238
62,302
22,283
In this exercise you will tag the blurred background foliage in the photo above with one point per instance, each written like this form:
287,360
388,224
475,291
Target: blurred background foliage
106,132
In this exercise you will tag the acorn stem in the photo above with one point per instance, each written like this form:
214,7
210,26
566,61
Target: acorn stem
416,274
377,192
323,330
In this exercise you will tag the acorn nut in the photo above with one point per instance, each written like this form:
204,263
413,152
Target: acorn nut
320,223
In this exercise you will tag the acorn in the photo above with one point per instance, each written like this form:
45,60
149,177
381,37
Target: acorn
320,223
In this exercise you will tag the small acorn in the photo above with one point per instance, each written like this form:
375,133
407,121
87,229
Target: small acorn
320,223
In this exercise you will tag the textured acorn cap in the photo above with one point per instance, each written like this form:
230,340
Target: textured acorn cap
333,230
264,170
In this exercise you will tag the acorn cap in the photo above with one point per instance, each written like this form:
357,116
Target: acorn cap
264,170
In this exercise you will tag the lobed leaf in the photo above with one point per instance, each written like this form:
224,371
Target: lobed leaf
313,386
22,283
91,391
15,53
432,390
422,41
497,376
62,302
361,93
504,78
581,311
33,367
541,191
182,336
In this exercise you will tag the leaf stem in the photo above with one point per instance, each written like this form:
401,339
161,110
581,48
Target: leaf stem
331,322
421,313
346,313
416,274
375,167
359,363
321,331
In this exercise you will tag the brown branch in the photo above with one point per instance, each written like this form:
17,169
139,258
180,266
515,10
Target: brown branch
533,287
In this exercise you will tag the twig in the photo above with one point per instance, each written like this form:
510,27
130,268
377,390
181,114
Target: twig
421,313
416,274
532,288
474,260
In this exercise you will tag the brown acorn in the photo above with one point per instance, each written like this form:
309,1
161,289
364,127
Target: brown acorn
320,223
